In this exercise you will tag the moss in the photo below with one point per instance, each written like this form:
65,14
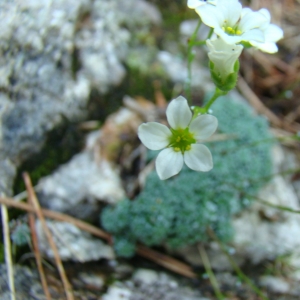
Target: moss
178,211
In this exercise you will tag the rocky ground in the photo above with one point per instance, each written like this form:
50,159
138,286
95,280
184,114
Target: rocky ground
73,90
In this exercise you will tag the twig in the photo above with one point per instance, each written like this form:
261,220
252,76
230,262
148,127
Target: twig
37,254
38,211
210,272
161,259
57,216
7,245
166,261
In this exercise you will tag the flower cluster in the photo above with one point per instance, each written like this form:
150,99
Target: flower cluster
235,24
181,141
234,27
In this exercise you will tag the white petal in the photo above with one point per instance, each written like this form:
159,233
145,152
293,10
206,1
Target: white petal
253,35
178,113
210,15
252,20
273,33
198,158
203,126
231,11
268,47
168,163
154,136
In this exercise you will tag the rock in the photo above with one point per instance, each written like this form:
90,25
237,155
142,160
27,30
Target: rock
145,276
78,186
92,280
53,54
27,284
72,243
152,285
275,284
274,231
117,293
147,284
176,69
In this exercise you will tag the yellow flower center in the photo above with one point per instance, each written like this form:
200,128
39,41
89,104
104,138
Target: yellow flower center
181,140
232,31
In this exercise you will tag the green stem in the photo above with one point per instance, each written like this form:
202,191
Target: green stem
215,96
191,56
210,33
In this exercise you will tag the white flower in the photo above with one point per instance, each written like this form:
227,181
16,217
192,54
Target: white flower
235,24
272,34
181,140
223,56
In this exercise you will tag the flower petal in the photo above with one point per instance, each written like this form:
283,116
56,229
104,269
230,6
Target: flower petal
210,15
251,20
203,126
198,158
168,163
178,113
273,33
154,136
231,11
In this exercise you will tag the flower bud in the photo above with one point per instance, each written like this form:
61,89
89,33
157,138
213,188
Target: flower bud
224,64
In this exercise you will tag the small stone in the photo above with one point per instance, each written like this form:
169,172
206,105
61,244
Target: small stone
117,293
275,284
145,276
92,280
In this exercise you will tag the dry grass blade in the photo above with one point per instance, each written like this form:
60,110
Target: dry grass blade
38,211
37,254
210,272
159,258
7,245
166,261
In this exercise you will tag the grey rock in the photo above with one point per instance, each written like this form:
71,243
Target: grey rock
27,284
175,68
72,243
92,280
161,286
275,284
78,186
117,293
53,54
145,276
152,285
275,232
